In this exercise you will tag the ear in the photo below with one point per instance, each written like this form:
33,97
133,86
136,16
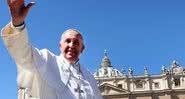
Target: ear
60,45
83,47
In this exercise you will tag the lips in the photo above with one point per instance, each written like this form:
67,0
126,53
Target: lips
71,52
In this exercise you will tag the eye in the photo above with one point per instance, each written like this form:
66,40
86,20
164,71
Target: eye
76,42
68,41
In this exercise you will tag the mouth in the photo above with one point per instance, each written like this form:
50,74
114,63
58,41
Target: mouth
71,52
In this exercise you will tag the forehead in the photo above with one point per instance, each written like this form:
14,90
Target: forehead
71,34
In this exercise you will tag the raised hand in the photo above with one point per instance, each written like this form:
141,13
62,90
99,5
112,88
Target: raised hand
19,11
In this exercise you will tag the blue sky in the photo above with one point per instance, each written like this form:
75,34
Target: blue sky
136,33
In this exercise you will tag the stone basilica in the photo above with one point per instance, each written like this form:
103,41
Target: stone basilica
113,84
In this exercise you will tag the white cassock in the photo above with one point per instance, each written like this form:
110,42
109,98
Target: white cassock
46,75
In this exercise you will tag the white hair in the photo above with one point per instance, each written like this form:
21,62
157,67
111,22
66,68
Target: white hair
71,30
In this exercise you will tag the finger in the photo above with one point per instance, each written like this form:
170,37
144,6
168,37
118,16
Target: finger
27,8
8,1
16,3
30,5
12,1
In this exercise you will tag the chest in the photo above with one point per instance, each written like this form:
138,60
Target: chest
76,83
79,89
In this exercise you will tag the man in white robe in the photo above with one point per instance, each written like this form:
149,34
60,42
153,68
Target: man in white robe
43,74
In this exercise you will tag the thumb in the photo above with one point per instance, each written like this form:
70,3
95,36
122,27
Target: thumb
27,8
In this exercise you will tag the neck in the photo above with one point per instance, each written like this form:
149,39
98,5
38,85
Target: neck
68,61
71,62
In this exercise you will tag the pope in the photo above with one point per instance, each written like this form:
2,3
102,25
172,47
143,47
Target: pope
42,74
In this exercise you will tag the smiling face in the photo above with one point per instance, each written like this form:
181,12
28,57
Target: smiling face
71,45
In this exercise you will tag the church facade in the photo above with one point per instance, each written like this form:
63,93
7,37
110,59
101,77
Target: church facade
115,84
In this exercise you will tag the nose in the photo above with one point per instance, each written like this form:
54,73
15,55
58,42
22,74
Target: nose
71,44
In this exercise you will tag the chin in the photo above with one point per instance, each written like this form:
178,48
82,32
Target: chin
71,59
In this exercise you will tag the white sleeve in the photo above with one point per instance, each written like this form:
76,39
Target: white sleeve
18,45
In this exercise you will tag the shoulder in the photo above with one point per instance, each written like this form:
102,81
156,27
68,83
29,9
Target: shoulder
43,54
47,52
87,72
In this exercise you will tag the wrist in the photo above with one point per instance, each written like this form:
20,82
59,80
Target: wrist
17,22
18,27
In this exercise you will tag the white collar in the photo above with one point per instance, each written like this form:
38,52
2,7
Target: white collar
66,62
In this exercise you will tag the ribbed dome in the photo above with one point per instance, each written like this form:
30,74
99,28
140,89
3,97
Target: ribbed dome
106,69
105,61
